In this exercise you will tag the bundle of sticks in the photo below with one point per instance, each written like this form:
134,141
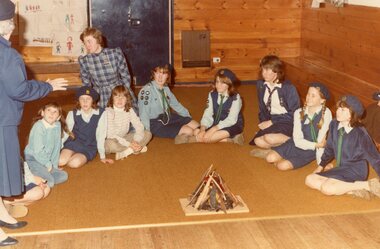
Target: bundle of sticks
213,194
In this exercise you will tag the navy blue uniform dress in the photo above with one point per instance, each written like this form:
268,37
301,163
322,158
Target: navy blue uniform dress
282,123
297,156
15,89
357,149
235,129
85,136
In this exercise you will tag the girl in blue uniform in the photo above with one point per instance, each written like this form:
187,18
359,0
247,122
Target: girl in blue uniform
311,124
155,102
278,100
83,123
351,146
222,120
44,144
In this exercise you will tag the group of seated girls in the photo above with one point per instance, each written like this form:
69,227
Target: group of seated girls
289,136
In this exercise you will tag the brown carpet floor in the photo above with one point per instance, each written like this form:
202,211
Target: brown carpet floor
146,189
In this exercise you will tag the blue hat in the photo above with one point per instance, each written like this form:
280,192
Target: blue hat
322,88
7,10
86,90
376,96
227,73
354,103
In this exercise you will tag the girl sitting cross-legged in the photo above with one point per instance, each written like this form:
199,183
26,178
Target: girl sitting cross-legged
351,146
311,124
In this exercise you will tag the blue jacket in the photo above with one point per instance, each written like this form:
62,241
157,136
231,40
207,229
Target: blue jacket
150,103
15,89
289,99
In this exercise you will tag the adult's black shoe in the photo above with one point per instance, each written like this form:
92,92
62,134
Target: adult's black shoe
8,241
16,225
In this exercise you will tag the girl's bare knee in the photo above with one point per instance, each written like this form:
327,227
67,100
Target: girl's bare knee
271,157
284,165
310,181
75,163
328,189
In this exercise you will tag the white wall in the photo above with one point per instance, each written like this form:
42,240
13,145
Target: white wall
371,3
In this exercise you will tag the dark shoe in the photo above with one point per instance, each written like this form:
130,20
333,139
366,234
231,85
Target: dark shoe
16,225
8,242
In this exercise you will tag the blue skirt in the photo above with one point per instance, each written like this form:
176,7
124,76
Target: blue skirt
78,147
279,127
234,130
298,157
11,177
348,173
168,128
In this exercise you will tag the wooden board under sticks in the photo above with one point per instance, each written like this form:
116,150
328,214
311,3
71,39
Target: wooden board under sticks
191,211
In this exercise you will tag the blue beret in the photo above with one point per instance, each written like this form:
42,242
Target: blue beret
227,73
7,10
322,88
86,90
354,103
376,96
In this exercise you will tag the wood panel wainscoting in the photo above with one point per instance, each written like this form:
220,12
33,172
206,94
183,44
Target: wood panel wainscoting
241,33
340,47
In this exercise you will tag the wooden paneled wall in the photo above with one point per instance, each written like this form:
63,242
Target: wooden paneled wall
242,32
340,46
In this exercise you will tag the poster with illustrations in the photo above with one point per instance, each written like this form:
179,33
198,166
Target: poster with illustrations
53,23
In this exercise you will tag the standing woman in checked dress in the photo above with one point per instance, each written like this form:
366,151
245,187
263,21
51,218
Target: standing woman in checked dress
103,68
351,146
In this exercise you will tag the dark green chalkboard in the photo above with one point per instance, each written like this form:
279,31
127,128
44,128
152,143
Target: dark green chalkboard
141,28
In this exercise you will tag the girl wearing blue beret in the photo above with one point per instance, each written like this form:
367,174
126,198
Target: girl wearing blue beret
311,124
83,123
222,120
351,146
278,100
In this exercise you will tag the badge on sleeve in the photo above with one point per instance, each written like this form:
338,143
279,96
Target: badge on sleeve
146,97
145,102
142,92
147,92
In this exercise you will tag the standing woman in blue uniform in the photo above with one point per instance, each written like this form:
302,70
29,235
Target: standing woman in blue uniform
278,100
103,68
15,89
222,120
155,104
351,146
311,124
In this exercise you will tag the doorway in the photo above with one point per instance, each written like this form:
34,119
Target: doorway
142,29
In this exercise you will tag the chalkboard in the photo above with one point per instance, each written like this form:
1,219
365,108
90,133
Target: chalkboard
142,29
